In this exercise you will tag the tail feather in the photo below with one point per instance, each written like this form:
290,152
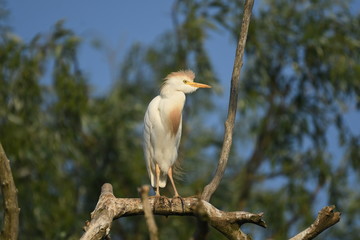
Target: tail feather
162,180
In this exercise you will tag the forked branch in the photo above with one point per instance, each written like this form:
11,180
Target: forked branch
109,208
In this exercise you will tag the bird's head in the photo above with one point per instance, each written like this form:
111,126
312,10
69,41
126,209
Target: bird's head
182,81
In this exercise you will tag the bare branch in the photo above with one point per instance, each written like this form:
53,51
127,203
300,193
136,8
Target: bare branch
149,216
109,208
11,214
325,219
229,124
102,216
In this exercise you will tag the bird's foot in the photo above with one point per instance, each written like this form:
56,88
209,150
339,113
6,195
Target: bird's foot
160,201
177,196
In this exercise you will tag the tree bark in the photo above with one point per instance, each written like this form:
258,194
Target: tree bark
109,208
325,219
11,214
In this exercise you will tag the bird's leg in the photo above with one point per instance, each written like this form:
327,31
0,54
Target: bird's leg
157,171
159,198
172,182
176,192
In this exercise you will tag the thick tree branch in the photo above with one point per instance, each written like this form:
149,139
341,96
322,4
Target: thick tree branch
234,90
102,216
11,214
109,208
325,219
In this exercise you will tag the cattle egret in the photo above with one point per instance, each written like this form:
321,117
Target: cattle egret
162,127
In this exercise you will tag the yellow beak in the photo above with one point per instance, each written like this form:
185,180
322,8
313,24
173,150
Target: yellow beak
198,85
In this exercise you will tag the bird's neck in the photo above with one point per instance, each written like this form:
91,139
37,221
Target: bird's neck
169,92
173,96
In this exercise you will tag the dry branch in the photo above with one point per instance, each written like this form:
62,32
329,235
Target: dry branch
109,208
209,189
11,214
325,219
234,90
149,216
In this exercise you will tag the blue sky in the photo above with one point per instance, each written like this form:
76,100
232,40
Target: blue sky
118,24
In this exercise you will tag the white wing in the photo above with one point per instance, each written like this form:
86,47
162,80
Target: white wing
152,122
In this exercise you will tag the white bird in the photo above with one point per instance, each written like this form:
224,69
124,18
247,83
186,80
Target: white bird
162,127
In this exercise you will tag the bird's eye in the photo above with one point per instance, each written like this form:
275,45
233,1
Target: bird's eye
185,81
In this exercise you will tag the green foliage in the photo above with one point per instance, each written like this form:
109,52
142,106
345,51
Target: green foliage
302,72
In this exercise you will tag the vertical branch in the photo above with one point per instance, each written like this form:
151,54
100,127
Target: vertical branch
11,214
101,217
149,216
234,90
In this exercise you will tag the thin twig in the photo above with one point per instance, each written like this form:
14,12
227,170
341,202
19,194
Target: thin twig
234,90
149,216
11,214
